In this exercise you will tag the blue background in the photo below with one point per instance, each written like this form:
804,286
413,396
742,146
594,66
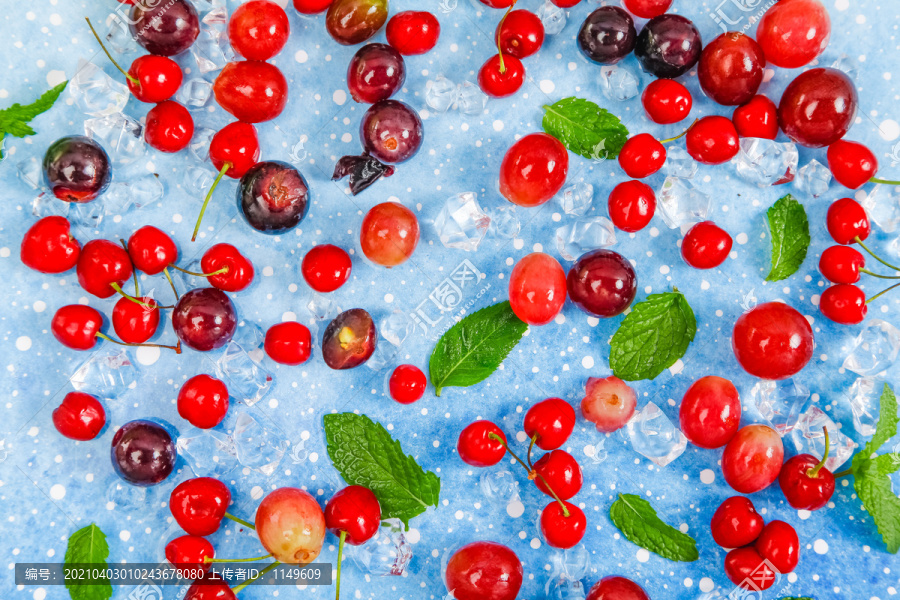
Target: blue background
50,486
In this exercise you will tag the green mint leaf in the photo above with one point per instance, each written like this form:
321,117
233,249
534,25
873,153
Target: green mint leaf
789,230
585,128
88,546
365,454
874,490
887,422
638,522
653,336
885,464
474,347
14,120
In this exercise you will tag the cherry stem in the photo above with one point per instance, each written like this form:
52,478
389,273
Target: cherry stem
132,79
241,586
843,473
209,194
879,276
337,587
873,255
531,472
814,472
884,181
171,283
125,294
207,560
680,135
241,521
499,25
882,293
137,288
221,271
530,446
103,336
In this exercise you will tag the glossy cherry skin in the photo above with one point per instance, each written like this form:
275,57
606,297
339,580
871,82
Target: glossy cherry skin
311,7
80,416
76,169
204,319
413,32
647,9
710,412
165,28
632,205
169,127
847,220
288,343
642,156
352,22
752,459
747,569
731,68
354,510
772,341
841,264
793,33
561,472
143,453
240,271
199,505
602,283
135,323
326,268
158,78
818,107
236,145
203,401
802,489
758,118
101,264
533,170
851,163
559,530
389,234
151,250
484,571
608,403
844,303
476,448
552,421
705,245
75,326
376,72
291,525
407,384
607,35
537,288
498,3
49,246
736,523
258,29
666,101
501,81
616,588
273,197
778,543
211,587
668,46
349,340
391,131
520,34
189,553
252,91
713,140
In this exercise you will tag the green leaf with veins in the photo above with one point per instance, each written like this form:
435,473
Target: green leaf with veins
585,128
15,119
639,523
88,546
789,230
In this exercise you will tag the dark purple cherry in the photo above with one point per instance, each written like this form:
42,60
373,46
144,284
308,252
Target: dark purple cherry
602,283
818,107
165,27
668,46
273,196
391,131
354,21
376,72
204,319
76,168
607,35
143,453
349,339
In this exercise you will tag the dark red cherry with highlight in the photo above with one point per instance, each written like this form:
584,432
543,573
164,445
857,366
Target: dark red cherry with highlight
713,140
478,448
349,340
407,384
188,553
237,271
806,483
203,401
778,543
79,417
632,205
165,28
237,146
76,326
736,523
200,504
134,322
560,470
666,101
376,72
844,303
705,245
326,267
747,569
818,107
731,68
253,91
204,319
533,170
355,512
288,343
561,530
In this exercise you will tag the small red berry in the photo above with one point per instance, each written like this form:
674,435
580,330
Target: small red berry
747,569
80,416
311,7
102,264
203,401
552,421
158,78
151,250
237,146
614,587
258,29
851,163
239,271
713,140
847,220
841,264
499,81
188,553
632,205
642,156
169,127
200,504
413,32
537,288
135,323
76,326
520,34
666,101
288,343
565,3
710,412
533,170
758,118
252,91
647,9
560,470
477,449
354,510
844,303
559,530
211,587
407,384
806,483
705,245
778,543
736,523
49,247
326,267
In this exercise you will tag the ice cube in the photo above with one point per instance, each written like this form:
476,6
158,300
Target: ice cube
204,6
619,82
107,373
679,163
127,497
119,38
813,178
97,93
216,17
562,588
580,236
31,172
865,399
653,435
779,402
198,180
552,17
681,203
323,307
46,204
145,190
462,223
883,207
388,553
208,452
246,379
847,64
441,94
211,49
572,564
766,162
470,99
874,349
195,92
504,222
576,199
88,217
396,327
809,438
258,446
120,135
500,487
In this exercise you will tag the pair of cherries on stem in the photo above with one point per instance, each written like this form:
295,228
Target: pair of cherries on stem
519,34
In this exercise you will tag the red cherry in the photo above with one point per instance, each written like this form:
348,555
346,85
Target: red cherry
200,504
552,421
355,511
731,68
806,483
135,323
211,587
203,401
413,32
477,449
80,416
311,7
407,384
758,118
642,156
705,245
844,303
565,3
710,412
500,80
236,146
498,3
647,9
253,91
537,288
736,523
151,250
752,459
615,587
238,272
559,530
157,78
851,163
288,343
561,471
793,33
533,170
631,205
713,140
772,341
258,29
666,101
169,127
188,553
102,264
818,107
76,326
484,571
520,34
326,267
846,220
778,543
49,247
747,569
841,264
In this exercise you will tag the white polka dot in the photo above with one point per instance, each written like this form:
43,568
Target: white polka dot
147,355
30,16
301,56
268,271
535,543
176,218
124,535
23,343
314,457
288,316
643,555
547,86
498,125
4,252
39,306
388,298
707,476
346,138
587,362
842,4
58,491
55,19
515,509
413,536
820,547
339,97
741,238
889,129
706,584
54,77
459,515
256,492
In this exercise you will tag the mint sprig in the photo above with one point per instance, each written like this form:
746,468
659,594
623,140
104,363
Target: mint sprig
88,546
365,454
585,128
15,119
789,230
639,523
654,335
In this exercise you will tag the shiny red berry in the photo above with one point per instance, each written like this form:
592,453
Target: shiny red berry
552,421
758,118
632,205
710,412
731,68
413,32
772,341
841,264
736,523
806,483
747,569
647,9
157,78
642,156
847,220
200,504
169,127
778,543
258,29
560,470
237,270
134,322
614,587
520,34
288,343
851,163
211,587
752,458
102,264
533,170
666,101
499,80
355,511
713,140
80,416
203,401
705,245
561,530
151,250
793,33
76,326
311,7
844,303
537,288
251,90
236,146
188,553
477,449
326,267
407,384
49,247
